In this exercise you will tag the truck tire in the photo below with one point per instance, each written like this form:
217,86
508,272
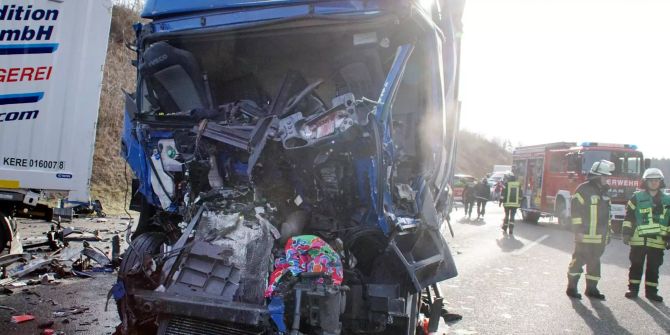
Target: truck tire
145,244
144,223
561,215
530,217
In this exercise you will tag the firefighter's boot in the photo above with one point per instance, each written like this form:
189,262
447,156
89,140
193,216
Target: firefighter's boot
511,229
633,290
592,290
572,287
631,294
652,294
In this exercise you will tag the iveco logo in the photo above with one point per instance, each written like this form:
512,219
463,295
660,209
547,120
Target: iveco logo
158,60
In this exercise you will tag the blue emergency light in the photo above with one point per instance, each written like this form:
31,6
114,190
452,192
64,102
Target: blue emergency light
595,144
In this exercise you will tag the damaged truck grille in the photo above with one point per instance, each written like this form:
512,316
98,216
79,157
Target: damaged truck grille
183,326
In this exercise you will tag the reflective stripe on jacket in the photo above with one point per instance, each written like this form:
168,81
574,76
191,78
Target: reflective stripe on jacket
647,219
512,194
590,212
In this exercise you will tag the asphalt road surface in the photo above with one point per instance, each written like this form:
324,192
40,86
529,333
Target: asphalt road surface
517,285
505,286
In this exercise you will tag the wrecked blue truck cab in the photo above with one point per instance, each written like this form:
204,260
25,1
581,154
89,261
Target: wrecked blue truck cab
289,159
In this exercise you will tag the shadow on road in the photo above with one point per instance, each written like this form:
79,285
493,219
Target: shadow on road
661,318
603,323
663,308
509,243
473,222
615,253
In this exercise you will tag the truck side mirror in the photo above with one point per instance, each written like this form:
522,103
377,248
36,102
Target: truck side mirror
131,106
647,163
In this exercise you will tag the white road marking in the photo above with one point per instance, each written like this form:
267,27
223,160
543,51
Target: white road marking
532,244
464,332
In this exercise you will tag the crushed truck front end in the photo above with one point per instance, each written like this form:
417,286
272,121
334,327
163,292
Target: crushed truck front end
289,162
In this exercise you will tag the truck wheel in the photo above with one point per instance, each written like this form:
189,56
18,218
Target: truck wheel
147,212
147,244
563,217
530,217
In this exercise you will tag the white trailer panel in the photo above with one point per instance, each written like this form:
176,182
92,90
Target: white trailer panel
52,55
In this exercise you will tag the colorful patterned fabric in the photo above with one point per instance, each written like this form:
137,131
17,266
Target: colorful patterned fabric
305,253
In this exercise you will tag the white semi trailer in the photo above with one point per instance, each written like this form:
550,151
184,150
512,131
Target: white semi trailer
51,65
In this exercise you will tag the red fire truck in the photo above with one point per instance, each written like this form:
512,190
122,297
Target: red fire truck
550,173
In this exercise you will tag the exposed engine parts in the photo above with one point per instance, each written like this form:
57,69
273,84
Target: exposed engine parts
285,213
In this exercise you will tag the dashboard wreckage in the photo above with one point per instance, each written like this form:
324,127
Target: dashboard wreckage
290,166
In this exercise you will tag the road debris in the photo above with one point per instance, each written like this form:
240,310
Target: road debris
47,278
81,274
96,254
7,308
32,266
22,318
46,324
61,313
83,236
69,254
6,260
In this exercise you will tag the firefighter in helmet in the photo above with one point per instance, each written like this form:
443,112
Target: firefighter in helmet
645,229
590,212
511,200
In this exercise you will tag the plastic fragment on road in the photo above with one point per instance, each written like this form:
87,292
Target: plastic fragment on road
48,331
306,253
22,318
47,278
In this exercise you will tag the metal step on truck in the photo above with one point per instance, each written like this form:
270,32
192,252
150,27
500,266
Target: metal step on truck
51,65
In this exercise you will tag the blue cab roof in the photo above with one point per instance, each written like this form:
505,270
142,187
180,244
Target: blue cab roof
155,9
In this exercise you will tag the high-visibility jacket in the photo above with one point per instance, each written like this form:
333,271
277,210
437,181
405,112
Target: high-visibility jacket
511,194
590,211
647,219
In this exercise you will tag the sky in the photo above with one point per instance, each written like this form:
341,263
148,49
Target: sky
540,71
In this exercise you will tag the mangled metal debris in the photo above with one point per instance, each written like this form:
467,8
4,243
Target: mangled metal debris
283,201
6,260
29,268
96,254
